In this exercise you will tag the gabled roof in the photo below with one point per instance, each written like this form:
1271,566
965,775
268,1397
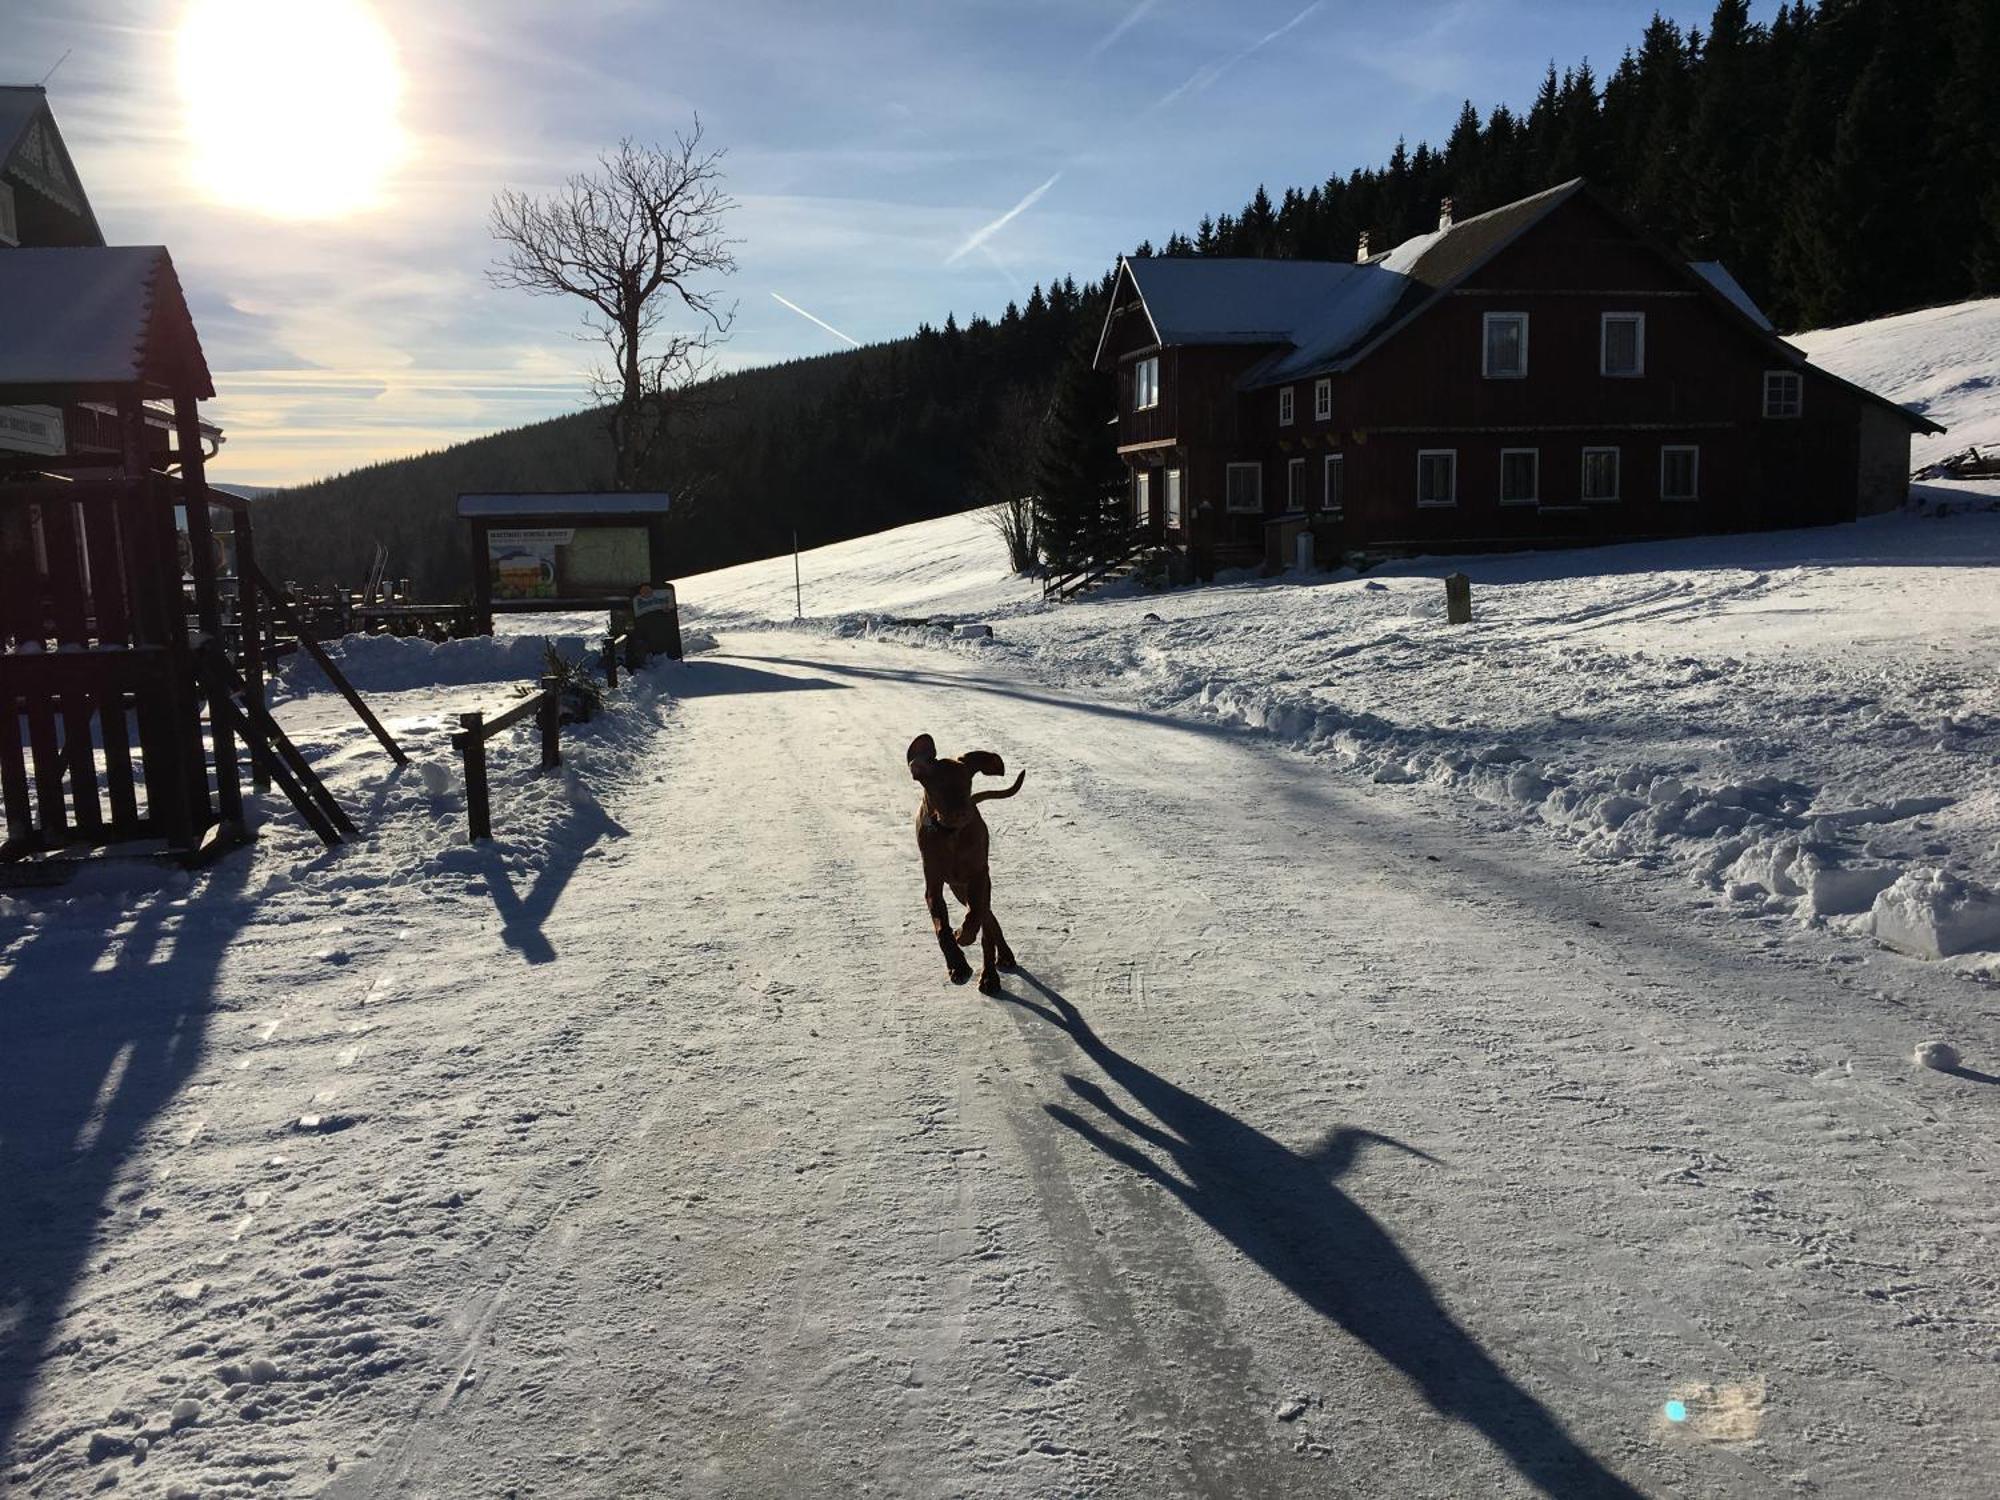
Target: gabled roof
1328,316
1716,274
1327,312
33,154
1216,300
87,320
1425,268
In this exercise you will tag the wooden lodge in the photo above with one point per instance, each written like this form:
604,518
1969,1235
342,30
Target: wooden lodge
1546,374
130,691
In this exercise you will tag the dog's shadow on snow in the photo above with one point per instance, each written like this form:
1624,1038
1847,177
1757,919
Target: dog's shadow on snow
1284,1210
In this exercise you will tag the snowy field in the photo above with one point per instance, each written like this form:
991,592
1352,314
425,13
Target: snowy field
1449,1061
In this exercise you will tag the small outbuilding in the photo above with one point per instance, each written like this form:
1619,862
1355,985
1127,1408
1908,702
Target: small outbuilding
563,551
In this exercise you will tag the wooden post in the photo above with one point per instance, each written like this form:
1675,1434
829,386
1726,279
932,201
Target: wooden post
472,744
611,661
798,590
1457,599
250,621
549,719
207,598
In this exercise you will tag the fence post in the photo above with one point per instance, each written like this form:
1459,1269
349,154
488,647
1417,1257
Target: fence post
1457,599
611,661
549,718
472,744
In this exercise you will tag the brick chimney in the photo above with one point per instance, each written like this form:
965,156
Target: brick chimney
1444,215
1361,249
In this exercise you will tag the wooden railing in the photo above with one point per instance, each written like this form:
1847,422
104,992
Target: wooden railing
475,729
1127,547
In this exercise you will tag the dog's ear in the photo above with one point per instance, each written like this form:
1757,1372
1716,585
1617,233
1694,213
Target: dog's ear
921,755
983,763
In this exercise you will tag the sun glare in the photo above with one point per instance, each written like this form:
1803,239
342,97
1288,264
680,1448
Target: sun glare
291,104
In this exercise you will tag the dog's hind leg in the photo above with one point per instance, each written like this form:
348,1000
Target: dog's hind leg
954,955
998,954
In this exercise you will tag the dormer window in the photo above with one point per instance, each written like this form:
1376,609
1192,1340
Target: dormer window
1505,355
1285,407
1146,383
1621,345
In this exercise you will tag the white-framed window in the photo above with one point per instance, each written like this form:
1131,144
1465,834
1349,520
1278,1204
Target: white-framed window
1784,393
1520,476
1680,473
1146,383
1142,497
1600,473
1285,406
1437,476
1295,485
1334,496
1245,487
1173,497
1621,345
1504,346
1322,400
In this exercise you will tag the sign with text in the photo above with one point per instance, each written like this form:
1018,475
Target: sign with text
522,560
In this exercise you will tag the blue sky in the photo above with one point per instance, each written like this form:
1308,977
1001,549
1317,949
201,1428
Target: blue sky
875,147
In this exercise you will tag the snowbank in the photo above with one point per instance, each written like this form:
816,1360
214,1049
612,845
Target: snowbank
390,664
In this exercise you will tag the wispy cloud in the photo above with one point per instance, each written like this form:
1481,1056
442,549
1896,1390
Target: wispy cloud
1205,75
787,302
986,232
1132,18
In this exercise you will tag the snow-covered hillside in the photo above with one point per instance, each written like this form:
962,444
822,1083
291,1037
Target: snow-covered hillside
1942,361
1447,1061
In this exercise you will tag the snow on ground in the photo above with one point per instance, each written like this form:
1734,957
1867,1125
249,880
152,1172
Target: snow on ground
1943,361
1449,1061
1792,721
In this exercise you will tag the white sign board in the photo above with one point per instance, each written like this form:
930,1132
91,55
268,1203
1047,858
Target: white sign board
32,429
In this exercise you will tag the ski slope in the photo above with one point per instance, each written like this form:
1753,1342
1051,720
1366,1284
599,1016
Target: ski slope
1441,1064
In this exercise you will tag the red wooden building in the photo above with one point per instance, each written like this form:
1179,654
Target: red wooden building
1546,374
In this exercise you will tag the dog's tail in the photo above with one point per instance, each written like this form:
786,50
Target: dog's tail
1003,792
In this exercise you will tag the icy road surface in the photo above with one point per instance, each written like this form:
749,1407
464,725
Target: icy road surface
1327,1145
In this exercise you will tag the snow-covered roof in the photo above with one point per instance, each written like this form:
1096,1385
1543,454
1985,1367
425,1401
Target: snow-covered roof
1217,300
1410,276
589,503
96,316
1716,274
1324,313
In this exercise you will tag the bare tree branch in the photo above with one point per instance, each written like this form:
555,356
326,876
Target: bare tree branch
633,239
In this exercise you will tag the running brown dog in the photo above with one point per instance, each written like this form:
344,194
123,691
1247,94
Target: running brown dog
951,837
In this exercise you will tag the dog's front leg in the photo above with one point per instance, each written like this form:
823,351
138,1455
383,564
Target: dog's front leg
954,956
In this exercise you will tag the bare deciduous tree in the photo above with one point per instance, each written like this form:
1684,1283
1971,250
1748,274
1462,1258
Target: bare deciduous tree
1005,475
634,239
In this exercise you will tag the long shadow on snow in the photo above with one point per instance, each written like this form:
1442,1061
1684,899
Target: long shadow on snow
93,1052
714,676
1284,1212
522,916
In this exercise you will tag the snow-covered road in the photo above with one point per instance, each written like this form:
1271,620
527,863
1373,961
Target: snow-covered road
1322,1147
1333,1141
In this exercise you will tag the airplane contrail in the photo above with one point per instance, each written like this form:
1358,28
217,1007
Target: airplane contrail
787,302
1207,73
1132,18
986,232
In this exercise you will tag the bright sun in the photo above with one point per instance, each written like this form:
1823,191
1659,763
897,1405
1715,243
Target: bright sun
291,104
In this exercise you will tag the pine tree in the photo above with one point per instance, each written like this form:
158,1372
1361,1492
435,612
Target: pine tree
1079,479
